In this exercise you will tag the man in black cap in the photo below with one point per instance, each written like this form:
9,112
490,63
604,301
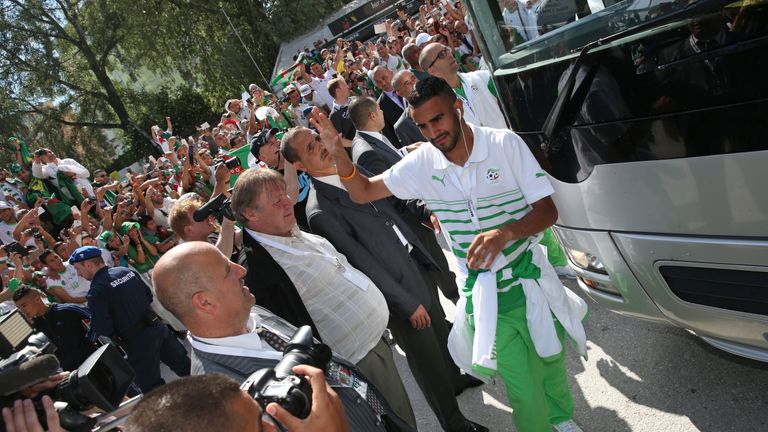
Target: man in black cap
265,148
120,309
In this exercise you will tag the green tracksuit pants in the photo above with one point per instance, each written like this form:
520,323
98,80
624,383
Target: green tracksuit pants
537,388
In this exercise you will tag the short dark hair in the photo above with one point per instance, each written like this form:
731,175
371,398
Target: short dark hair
286,149
429,88
198,403
359,109
21,292
46,253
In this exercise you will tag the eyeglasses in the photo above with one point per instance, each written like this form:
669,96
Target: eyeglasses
440,55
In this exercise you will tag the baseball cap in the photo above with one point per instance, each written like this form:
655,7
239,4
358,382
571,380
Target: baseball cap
263,137
104,238
305,90
127,226
84,253
422,38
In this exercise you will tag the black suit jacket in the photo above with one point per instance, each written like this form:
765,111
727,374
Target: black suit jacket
373,154
271,286
392,113
407,131
364,234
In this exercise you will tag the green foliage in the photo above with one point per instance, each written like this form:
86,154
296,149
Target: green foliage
187,109
69,65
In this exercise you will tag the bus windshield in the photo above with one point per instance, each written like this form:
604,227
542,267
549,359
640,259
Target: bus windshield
541,31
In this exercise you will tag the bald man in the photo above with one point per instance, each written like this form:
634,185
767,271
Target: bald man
205,291
475,89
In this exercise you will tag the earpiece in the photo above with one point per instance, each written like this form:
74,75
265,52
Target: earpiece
458,111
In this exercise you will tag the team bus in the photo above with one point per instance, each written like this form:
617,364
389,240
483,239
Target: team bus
651,117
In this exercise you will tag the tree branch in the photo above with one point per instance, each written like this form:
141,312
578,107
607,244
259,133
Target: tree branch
37,110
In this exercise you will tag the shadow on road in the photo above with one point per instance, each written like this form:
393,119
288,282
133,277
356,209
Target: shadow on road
668,369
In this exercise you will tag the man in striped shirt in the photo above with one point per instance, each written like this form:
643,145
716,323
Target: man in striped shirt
492,199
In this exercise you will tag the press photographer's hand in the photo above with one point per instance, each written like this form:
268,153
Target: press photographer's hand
23,417
327,412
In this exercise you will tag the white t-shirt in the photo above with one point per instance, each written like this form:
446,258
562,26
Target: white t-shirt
394,63
161,214
495,187
6,232
320,86
73,284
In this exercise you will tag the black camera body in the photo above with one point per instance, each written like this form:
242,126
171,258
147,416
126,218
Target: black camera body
230,163
219,206
280,384
102,380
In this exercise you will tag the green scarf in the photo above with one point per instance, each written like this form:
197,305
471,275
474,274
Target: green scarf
68,190
26,157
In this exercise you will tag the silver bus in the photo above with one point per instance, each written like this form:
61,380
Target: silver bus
651,117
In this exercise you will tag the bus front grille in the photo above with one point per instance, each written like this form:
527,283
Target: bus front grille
737,290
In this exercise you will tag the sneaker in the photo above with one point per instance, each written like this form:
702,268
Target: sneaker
565,272
567,426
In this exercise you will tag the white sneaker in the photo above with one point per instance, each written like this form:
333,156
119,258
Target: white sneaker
566,272
567,426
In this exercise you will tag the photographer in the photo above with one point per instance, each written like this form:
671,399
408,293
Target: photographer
225,237
205,291
215,402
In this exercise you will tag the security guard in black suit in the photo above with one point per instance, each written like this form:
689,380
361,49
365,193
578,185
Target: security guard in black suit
120,307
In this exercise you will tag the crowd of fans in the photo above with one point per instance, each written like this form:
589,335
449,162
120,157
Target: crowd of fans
53,209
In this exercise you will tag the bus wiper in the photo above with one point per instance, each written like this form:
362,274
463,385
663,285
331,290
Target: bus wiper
570,100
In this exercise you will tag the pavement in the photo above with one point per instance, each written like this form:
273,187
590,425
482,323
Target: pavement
639,376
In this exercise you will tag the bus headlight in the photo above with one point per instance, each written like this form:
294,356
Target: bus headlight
586,261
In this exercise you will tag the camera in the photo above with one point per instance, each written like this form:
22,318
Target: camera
280,384
218,205
230,163
102,381
16,247
40,152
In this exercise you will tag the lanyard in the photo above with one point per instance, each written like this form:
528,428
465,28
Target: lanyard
350,274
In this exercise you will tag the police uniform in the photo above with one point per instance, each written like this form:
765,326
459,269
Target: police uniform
120,306
64,327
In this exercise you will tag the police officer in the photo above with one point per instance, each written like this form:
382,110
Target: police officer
63,324
120,307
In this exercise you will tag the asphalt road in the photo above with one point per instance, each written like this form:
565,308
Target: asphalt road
639,376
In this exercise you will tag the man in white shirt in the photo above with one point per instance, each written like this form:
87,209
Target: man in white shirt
387,249
391,61
493,200
205,291
346,307
63,280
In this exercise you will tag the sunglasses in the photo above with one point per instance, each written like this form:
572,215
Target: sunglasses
440,55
